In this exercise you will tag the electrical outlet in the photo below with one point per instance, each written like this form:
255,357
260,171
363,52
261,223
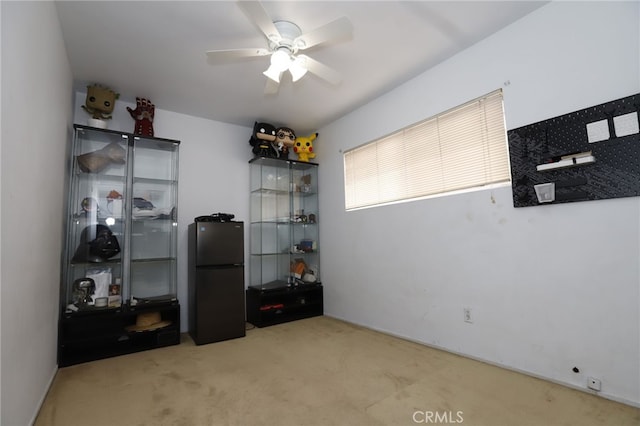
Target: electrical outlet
593,383
467,315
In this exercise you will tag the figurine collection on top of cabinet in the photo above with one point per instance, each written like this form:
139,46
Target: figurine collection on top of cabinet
269,141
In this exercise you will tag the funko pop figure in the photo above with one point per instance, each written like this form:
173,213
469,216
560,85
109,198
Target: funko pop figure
100,101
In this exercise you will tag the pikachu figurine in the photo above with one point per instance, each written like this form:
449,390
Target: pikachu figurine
304,147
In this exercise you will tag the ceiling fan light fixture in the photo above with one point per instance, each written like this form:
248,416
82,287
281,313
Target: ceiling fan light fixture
297,69
273,73
285,39
281,60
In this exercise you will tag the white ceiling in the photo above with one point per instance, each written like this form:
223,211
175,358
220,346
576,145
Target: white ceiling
157,50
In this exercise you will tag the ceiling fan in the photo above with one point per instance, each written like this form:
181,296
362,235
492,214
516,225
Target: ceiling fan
285,39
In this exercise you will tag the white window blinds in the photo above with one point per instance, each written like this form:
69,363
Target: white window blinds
462,148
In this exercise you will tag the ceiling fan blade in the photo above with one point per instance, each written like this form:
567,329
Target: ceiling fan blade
271,87
220,56
339,28
257,13
321,70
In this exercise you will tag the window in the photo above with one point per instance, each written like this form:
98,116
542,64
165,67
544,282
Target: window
462,148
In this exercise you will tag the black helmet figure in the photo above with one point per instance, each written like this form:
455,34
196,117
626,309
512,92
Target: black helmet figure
97,244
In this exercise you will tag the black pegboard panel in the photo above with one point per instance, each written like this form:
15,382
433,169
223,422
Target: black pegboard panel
614,174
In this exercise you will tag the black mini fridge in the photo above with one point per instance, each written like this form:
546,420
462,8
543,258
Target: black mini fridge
216,281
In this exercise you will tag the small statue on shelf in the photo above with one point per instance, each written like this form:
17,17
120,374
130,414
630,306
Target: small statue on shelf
285,139
263,140
304,147
83,289
99,104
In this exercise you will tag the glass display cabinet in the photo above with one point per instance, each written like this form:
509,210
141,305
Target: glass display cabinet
119,272
284,262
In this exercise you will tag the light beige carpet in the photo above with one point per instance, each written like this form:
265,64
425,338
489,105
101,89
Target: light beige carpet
318,371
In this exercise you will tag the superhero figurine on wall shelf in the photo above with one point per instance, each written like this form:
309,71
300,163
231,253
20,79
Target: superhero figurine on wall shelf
143,115
263,140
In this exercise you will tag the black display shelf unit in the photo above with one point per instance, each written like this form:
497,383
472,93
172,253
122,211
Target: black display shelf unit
102,333
280,305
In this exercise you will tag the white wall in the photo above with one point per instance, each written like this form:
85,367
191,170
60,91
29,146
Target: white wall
550,287
214,177
36,114
213,172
